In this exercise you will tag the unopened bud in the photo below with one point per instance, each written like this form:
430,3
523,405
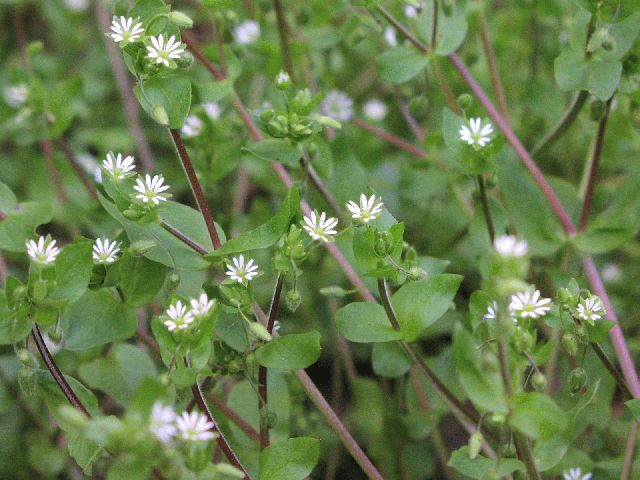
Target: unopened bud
416,274
293,299
465,101
173,281
27,358
260,332
283,80
267,115
40,290
570,344
475,444
185,60
132,214
328,122
181,19
268,418
159,114
418,107
523,340
229,471
538,381
334,291
577,380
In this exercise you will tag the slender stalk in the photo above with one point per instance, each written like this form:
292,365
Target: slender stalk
563,124
184,238
195,186
493,66
262,371
322,188
77,168
402,30
611,368
283,31
629,451
198,53
390,138
434,24
593,168
523,448
232,415
411,121
47,151
485,208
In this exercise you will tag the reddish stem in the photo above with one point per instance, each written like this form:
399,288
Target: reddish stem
390,137
77,168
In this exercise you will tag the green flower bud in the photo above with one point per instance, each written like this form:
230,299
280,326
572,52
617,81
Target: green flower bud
498,418
40,290
55,335
185,60
72,416
416,274
180,19
475,444
570,344
283,81
538,381
278,127
596,110
297,252
522,340
293,300
418,107
334,291
141,247
465,101
577,380
159,114
267,115
132,214
173,280
380,248
268,418
19,293
27,358
328,122
228,471
582,334
564,297
260,332
411,255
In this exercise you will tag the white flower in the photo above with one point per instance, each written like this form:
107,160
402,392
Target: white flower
195,427
44,251
15,95
212,109
77,5
528,305
375,109
476,134
162,422
320,228
163,52
611,272
510,246
118,167
276,327
410,11
104,252
247,32
178,317
201,306
390,36
337,105
124,30
283,78
492,311
575,474
192,126
590,309
239,272
151,189
367,210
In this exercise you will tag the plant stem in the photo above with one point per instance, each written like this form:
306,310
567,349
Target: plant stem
593,165
77,168
283,30
629,451
493,66
434,24
523,448
262,371
563,124
321,187
58,188
611,368
390,138
232,415
184,238
402,30
195,186
485,208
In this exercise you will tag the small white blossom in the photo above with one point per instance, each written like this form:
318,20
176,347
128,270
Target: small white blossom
162,422
283,78
492,311
276,328
178,317
162,52
124,30
476,134
192,126
337,105
44,251
15,95
375,110
195,427
77,5
510,246
390,36
239,272
105,252
529,305
151,189
368,209
212,110
590,309
201,306
320,228
119,167
247,32
410,11
575,474
611,272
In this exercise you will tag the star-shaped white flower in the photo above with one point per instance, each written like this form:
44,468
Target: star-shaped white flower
476,134
247,32
510,246
119,167
320,228
15,95
201,306
575,474
192,126
162,422
239,272
162,52
529,305
151,189
492,311
105,252
590,309
337,105
44,251
178,317
282,77
124,30
212,110
195,427
368,209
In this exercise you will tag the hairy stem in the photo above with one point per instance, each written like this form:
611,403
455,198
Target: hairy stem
77,168
485,208
563,124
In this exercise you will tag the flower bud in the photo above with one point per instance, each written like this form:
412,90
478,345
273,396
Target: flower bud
328,122
334,291
418,107
260,332
278,127
416,274
268,418
185,60
582,334
570,344
267,115
577,380
159,114
132,214
40,290
180,19
283,81
475,444
27,358
465,101
565,297
228,471
538,381
293,299
523,340
297,252
173,280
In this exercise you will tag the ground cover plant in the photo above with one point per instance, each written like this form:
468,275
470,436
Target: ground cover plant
337,239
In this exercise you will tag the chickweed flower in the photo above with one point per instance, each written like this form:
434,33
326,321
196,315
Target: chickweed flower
124,30
575,474
44,251
375,110
590,309
390,36
239,272
529,305
368,209
201,306
192,126
283,78
247,32
320,228
178,317
476,134
195,427
15,95
510,246
119,167
105,252
151,189
492,311
162,422
162,52
212,110
77,5
337,105
410,11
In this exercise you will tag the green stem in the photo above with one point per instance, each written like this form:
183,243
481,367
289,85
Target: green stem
485,208
563,124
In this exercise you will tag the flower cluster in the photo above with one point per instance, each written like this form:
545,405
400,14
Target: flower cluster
522,305
189,426
179,316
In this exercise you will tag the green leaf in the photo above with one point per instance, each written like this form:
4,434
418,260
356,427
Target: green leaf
634,407
74,265
291,459
538,416
289,352
481,466
20,224
140,279
602,239
276,150
369,407
95,319
13,327
266,234
452,30
8,200
171,92
400,64
365,322
598,75
389,360
167,343
420,304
